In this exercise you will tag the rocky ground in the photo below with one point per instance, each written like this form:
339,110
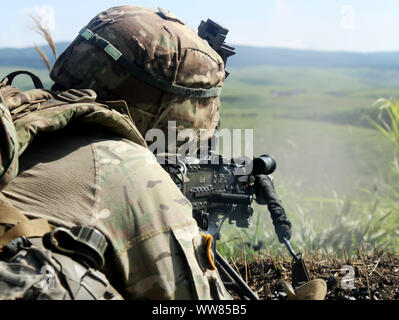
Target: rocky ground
376,276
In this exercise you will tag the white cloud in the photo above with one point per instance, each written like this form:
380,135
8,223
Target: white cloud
281,4
45,13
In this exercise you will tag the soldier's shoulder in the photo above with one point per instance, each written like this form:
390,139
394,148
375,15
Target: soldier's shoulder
122,156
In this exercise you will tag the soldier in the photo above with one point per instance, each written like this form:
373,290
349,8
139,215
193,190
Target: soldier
129,70
95,169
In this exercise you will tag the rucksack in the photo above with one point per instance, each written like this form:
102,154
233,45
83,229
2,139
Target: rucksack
26,114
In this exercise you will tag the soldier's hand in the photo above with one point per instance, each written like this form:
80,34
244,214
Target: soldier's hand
266,194
283,230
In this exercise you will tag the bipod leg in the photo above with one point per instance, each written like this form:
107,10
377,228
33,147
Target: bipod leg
233,280
300,273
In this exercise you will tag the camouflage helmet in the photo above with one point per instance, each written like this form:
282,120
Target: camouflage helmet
153,61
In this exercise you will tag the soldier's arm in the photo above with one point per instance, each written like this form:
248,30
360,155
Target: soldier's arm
266,194
158,250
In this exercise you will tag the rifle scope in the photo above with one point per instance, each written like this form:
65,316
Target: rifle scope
264,164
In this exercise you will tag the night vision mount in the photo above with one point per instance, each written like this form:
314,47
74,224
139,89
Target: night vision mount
216,35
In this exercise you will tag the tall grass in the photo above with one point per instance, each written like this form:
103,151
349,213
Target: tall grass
340,228
40,28
389,127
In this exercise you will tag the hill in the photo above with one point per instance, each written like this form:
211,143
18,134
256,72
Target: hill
252,56
28,57
246,57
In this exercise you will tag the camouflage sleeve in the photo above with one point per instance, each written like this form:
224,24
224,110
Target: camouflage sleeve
8,147
158,251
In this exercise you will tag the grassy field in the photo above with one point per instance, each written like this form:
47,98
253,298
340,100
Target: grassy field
317,131
331,161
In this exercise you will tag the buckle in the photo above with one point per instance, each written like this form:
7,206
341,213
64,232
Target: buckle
83,244
78,96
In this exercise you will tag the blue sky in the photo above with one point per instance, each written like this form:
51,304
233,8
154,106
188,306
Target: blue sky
351,25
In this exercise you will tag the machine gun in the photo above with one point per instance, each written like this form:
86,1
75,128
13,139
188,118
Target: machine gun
219,190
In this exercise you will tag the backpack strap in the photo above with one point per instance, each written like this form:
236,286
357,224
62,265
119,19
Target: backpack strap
35,79
11,215
27,229
20,225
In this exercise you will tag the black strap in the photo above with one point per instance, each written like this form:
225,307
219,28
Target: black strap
142,75
35,79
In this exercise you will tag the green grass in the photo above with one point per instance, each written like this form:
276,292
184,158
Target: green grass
322,142
330,159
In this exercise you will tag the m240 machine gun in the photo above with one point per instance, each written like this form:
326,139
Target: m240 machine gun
220,190
217,188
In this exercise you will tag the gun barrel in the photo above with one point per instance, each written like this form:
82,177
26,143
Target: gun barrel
232,198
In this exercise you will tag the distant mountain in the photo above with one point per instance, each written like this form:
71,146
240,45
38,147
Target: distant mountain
246,57
253,56
29,57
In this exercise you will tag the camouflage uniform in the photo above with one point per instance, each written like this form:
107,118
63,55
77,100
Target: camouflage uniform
155,248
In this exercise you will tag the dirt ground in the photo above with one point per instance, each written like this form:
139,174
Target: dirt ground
375,276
